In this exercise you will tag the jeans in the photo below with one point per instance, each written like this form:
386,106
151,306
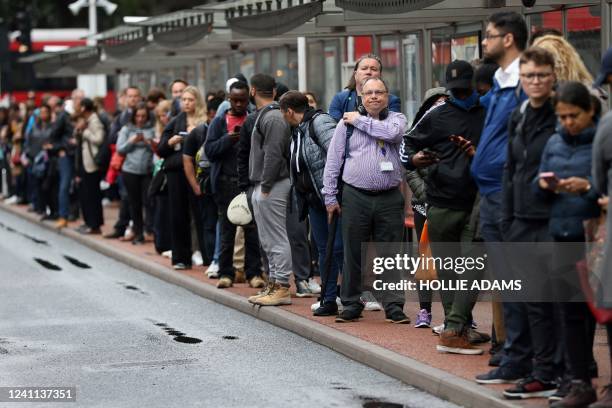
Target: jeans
320,231
66,171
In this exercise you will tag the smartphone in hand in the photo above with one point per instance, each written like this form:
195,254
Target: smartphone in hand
550,178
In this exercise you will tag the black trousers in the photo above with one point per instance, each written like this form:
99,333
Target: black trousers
204,211
368,218
531,334
124,206
90,198
228,189
178,193
137,186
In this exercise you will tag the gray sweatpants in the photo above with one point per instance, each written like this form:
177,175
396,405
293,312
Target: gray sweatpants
271,217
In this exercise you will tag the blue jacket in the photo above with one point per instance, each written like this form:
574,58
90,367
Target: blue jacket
346,101
570,156
488,164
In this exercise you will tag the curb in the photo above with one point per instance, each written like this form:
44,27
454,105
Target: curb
432,380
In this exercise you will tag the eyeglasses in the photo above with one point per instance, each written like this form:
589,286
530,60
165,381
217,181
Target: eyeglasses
375,92
569,116
533,75
488,36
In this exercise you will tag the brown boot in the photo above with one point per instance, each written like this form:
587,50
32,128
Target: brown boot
264,292
606,398
279,295
581,395
61,223
456,342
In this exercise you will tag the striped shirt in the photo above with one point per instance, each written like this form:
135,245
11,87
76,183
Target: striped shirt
372,142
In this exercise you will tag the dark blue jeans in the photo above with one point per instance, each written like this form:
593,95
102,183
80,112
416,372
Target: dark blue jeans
319,226
517,348
66,171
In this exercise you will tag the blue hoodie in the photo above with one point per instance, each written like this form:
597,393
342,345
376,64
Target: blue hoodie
488,164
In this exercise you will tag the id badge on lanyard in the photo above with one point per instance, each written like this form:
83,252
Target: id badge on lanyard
385,164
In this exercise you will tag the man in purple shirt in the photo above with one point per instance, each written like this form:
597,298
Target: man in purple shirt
372,204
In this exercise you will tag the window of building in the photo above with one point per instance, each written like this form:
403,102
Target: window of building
389,47
584,33
413,62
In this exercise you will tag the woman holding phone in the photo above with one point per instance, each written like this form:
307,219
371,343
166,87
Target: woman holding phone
565,177
171,150
135,143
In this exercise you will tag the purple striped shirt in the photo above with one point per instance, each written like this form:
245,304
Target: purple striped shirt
362,167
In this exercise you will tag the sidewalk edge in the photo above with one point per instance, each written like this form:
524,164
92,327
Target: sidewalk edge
432,380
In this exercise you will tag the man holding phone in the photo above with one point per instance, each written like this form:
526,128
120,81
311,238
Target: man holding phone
221,149
444,139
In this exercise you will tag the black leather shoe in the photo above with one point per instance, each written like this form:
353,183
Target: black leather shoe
348,316
114,235
326,309
138,240
398,317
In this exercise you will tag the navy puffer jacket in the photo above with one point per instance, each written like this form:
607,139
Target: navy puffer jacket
570,156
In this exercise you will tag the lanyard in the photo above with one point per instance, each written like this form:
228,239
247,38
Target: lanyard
383,150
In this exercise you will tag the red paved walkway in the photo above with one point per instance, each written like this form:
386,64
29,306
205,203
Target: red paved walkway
418,344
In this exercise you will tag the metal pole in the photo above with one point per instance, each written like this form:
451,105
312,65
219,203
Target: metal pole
93,22
302,68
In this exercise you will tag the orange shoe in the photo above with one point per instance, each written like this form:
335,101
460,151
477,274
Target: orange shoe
61,223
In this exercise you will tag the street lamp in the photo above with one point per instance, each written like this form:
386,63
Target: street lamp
108,7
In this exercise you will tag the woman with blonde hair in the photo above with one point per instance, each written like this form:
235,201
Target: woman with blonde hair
162,117
193,114
568,64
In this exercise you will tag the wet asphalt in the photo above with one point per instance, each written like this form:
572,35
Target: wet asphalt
70,316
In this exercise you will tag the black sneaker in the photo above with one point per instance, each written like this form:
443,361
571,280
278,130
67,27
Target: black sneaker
398,317
563,388
581,395
499,375
326,309
348,316
531,388
138,240
496,359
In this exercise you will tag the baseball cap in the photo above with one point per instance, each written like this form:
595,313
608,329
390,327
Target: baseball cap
459,74
606,68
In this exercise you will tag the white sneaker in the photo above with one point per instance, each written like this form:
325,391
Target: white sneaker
370,303
104,185
213,270
315,306
437,329
12,200
106,202
196,258
167,254
314,286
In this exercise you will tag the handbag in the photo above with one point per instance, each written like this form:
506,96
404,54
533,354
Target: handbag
427,270
591,270
158,185
116,161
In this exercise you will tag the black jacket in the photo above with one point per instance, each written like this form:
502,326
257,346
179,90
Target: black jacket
244,149
221,152
528,133
448,182
173,159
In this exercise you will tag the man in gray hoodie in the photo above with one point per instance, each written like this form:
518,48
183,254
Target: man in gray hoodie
269,174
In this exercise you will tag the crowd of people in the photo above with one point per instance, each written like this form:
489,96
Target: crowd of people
514,148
